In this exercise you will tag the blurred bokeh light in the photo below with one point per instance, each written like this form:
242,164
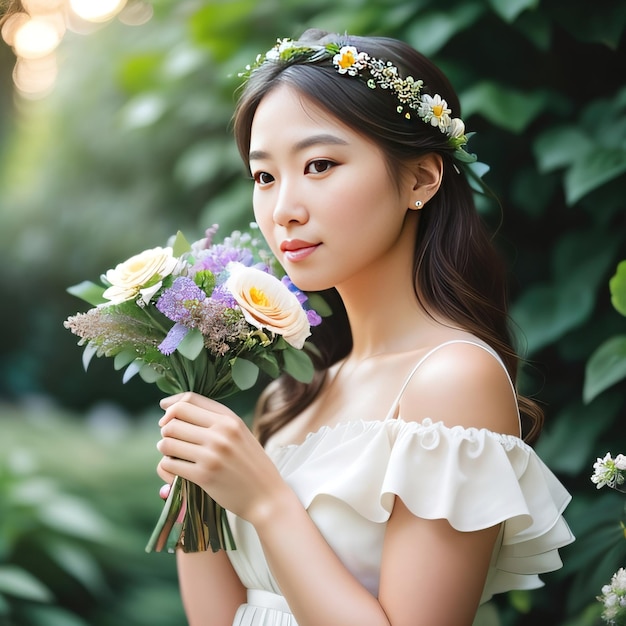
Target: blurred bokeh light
35,33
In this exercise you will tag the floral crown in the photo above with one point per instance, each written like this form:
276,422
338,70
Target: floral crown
377,73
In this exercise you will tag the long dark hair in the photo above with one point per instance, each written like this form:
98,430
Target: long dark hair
458,273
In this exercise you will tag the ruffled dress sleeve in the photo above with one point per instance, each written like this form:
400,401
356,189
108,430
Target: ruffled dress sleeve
473,478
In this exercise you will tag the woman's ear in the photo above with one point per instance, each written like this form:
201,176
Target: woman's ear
426,175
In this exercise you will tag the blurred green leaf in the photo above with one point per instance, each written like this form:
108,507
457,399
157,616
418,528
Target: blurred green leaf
581,426
560,147
16,581
605,26
508,108
591,170
51,616
79,563
74,517
144,110
508,10
545,312
140,72
605,367
435,28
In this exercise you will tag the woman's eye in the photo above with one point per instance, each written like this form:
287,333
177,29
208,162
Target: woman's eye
262,178
319,166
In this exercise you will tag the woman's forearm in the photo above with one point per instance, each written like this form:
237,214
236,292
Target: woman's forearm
210,589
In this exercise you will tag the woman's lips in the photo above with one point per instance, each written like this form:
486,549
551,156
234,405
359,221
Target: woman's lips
296,249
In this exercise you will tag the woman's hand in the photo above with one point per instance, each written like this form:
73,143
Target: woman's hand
206,443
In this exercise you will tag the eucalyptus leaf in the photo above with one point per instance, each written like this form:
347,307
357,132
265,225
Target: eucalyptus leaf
605,367
181,245
132,370
267,362
90,350
88,291
192,344
617,285
149,374
123,358
244,372
167,386
298,364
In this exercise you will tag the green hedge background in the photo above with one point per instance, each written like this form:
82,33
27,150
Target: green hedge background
134,143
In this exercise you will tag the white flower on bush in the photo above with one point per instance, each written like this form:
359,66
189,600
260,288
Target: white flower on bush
141,274
267,303
613,599
609,471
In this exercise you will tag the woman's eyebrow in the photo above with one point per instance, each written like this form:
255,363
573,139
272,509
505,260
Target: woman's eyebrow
307,142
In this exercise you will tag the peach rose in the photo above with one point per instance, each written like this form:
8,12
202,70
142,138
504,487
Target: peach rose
267,303
141,273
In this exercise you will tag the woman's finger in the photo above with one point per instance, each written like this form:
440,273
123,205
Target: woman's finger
196,399
183,430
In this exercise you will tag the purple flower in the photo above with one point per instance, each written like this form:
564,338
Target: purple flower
313,316
217,257
222,295
177,302
173,338
285,280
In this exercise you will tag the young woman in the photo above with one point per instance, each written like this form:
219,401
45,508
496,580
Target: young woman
397,488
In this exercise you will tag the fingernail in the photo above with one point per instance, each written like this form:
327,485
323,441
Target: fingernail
164,491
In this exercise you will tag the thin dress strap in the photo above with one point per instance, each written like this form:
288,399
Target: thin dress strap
480,344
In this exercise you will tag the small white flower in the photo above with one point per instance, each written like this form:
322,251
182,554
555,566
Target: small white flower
457,127
607,472
620,462
350,61
434,111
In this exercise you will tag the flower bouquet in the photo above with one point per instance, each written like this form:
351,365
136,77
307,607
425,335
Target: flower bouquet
201,317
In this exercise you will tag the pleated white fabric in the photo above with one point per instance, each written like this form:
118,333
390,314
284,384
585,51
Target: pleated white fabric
347,477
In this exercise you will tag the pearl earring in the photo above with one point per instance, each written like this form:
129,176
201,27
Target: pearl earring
418,204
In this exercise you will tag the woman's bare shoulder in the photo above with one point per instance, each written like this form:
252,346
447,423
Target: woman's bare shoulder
462,383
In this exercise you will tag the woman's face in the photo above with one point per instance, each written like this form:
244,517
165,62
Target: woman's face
323,195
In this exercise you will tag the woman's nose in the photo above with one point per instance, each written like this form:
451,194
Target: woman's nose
290,207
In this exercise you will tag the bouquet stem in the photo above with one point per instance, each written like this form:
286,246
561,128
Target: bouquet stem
192,521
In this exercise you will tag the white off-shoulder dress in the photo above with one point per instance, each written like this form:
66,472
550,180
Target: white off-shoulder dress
348,475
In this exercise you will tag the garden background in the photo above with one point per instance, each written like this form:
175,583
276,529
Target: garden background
132,143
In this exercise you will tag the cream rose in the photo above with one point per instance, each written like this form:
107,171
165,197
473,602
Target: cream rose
130,278
267,303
